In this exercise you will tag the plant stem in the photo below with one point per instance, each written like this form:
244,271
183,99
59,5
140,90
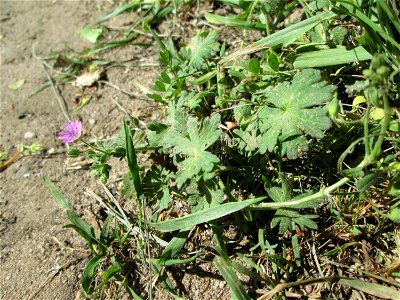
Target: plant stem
385,125
93,147
366,129
296,203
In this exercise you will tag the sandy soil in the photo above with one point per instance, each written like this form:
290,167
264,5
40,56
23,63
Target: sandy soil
36,255
39,259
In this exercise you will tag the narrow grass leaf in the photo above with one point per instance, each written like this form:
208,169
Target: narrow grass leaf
234,22
129,6
83,228
175,245
107,275
372,27
237,289
88,273
172,262
290,34
132,292
132,161
203,216
390,14
59,197
164,281
331,57
374,289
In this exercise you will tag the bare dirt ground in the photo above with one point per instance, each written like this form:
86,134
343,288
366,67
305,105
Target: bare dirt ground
39,259
36,253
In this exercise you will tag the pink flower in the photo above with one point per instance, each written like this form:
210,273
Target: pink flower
72,132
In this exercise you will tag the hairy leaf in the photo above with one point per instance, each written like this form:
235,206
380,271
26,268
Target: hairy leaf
203,45
197,161
294,110
285,216
204,194
155,185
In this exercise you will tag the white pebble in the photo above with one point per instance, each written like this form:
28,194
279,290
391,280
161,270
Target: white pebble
29,135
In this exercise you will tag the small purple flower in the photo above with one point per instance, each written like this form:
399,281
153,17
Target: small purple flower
72,132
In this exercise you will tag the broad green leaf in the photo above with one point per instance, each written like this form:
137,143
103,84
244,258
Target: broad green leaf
165,136
197,161
254,66
294,110
203,45
273,61
165,78
246,140
338,35
242,113
203,216
73,152
91,34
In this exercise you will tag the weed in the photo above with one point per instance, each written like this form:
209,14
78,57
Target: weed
272,126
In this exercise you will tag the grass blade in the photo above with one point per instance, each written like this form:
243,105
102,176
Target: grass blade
291,33
234,22
203,216
132,161
374,289
175,245
129,6
107,275
331,57
59,197
237,289
80,226
88,273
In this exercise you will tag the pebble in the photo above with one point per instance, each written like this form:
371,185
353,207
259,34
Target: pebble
51,151
22,171
29,135
92,121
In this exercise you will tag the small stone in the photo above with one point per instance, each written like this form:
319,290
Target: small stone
92,121
29,135
51,151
